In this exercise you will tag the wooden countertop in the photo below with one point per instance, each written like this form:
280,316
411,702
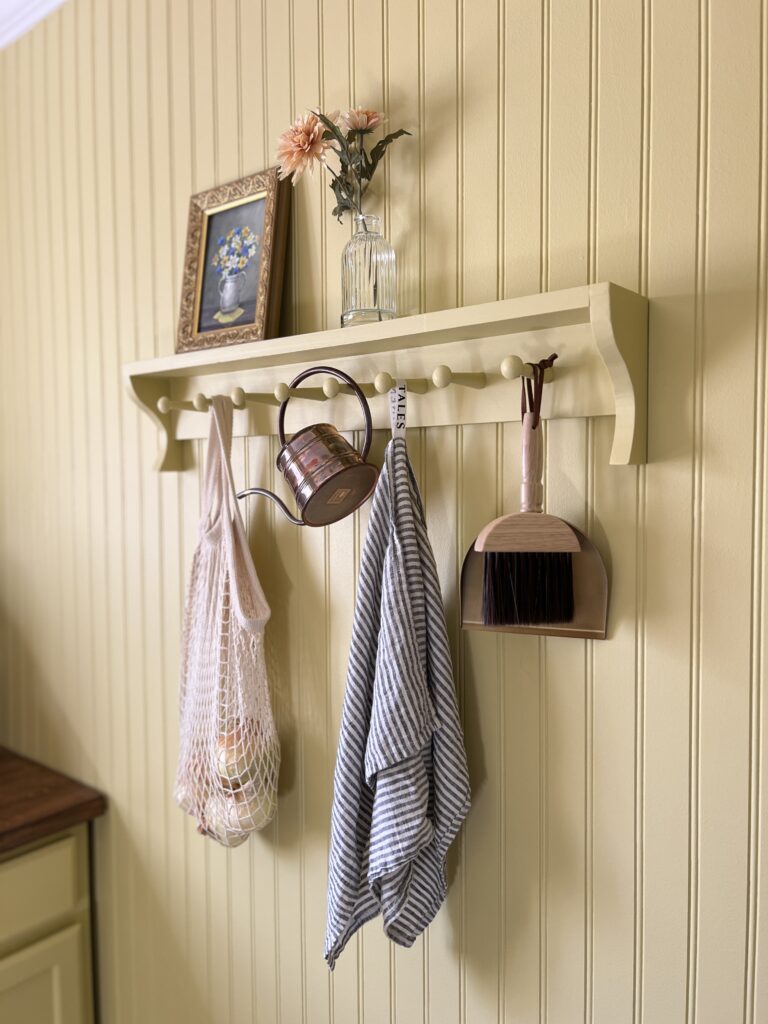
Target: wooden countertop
36,801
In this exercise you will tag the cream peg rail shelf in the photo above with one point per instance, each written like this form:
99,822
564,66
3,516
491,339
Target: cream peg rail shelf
458,363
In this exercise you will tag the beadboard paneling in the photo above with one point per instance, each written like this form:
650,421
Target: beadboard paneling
611,868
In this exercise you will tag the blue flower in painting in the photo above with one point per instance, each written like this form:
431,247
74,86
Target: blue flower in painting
235,251
221,240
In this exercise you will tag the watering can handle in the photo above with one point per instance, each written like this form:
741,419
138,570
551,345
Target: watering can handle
361,398
278,501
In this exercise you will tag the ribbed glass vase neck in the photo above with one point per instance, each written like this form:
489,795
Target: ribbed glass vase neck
367,223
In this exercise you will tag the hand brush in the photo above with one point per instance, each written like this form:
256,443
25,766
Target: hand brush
528,565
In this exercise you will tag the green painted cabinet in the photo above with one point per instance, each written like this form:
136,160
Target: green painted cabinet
45,942
43,982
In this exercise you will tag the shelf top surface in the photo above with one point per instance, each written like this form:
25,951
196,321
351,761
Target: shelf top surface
545,311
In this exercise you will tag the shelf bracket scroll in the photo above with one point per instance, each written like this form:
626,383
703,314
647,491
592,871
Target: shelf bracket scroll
146,391
619,320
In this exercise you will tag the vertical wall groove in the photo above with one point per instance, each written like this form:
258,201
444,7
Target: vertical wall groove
324,210
41,737
501,677
460,211
641,557
239,79
422,121
589,762
589,668
639,899
501,125
462,703
594,110
5,512
24,711
216,147
545,123
7,722
757,635
543,846
698,506
543,676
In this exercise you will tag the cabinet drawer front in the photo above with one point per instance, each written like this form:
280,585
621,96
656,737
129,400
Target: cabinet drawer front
44,982
38,887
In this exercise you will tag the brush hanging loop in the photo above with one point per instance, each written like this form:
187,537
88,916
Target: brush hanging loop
531,395
532,391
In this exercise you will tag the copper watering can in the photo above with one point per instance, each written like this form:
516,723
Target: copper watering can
328,477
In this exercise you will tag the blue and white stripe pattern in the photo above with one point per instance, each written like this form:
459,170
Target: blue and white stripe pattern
401,788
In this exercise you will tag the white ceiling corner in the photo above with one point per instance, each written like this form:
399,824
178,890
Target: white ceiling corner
18,16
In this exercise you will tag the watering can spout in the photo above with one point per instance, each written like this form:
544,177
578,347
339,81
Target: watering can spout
278,501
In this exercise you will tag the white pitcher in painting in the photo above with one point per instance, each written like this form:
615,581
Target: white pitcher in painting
230,290
234,252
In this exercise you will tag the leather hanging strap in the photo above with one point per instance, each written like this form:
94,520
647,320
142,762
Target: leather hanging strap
532,391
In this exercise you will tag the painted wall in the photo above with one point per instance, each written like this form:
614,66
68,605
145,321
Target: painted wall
611,868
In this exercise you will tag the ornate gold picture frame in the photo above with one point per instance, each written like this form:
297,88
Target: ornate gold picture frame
234,262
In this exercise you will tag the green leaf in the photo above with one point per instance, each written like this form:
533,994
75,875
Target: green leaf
366,169
335,133
380,148
343,202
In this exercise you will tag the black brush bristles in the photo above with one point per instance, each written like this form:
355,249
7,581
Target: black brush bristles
527,588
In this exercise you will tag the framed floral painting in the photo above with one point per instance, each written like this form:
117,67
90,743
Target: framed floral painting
234,262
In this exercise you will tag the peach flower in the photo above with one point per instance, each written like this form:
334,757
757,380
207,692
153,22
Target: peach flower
301,146
362,120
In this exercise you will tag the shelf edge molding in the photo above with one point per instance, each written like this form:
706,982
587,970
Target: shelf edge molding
600,332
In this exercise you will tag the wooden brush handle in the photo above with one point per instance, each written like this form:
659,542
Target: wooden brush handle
532,489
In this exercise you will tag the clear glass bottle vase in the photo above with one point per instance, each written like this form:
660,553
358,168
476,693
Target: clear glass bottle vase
368,274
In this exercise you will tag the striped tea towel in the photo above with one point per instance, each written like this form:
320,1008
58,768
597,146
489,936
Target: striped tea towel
401,789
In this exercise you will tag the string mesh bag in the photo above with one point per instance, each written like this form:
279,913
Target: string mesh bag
229,753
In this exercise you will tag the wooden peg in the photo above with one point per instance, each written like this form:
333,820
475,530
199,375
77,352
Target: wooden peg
240,398
384,382
283,393
513,367
444,375
166,404
333,387
201,403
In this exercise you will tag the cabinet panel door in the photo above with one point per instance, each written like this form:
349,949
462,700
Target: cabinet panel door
44,982
38,887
